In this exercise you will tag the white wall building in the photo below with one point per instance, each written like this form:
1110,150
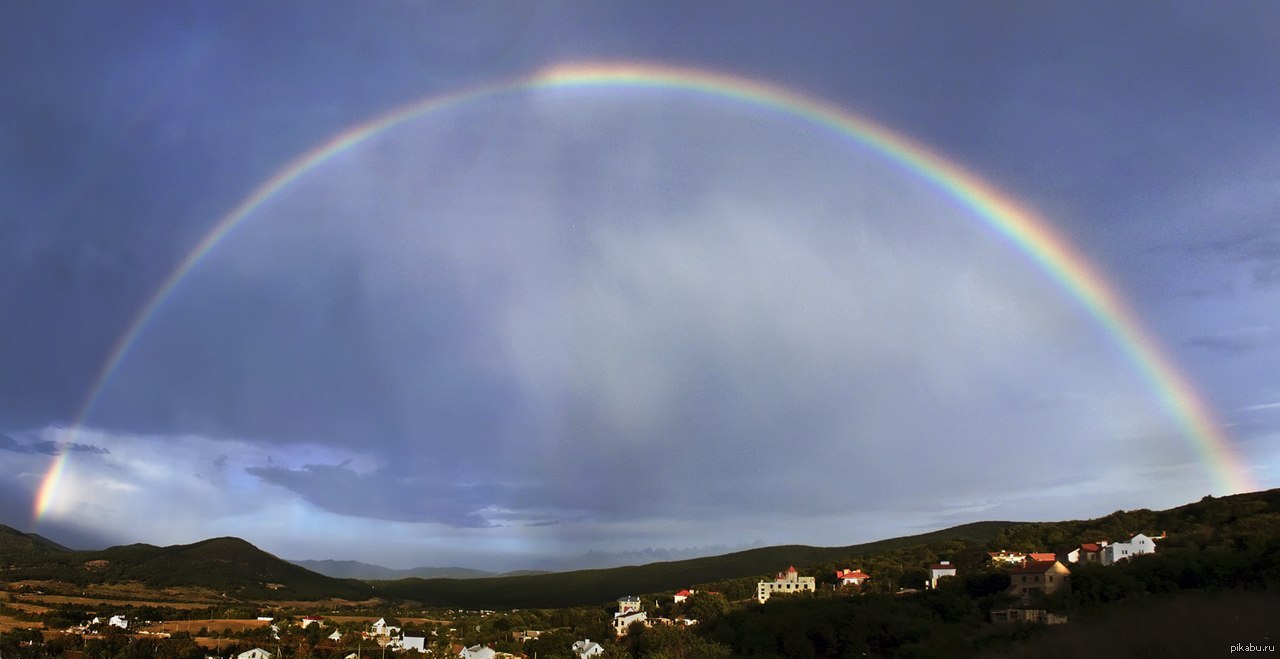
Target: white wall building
1119,551
939,570
477,652
586,648
786,582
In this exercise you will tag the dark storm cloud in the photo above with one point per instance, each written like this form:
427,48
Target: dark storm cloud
47,447
385,495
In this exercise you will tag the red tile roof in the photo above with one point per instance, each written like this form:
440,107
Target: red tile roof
852,574
683,593
1090,546
1042,556
942,566
791,569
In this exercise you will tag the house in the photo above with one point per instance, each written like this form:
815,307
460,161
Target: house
938,571
623,621
418,643
118,621
525,635
851,577
381,628
256,653
1041,557
1089,553
335,636
682,596
1136,546
628,604
586,648
307,621
1003,557
477,652
786,582
1045,577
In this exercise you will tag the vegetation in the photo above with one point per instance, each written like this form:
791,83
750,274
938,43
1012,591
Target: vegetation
1213,583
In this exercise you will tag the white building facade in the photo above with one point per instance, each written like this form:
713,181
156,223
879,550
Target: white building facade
786,582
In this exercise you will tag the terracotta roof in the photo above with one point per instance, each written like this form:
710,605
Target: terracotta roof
1042,556
852,574
942,566
683,593
1090,546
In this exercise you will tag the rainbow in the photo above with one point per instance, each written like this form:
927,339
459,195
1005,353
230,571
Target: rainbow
1013,222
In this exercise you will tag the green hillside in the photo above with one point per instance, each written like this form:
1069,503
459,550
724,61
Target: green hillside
228,565
603,585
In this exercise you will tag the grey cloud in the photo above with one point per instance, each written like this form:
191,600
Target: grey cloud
383,495
41,446
47,447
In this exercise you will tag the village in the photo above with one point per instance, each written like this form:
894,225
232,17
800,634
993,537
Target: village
1031,575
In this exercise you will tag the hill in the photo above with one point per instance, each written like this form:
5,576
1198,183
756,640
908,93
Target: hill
583,587
228,565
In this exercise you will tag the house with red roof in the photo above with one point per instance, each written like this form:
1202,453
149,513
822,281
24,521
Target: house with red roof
1087,552
939,570
1040,557
683,595
851,577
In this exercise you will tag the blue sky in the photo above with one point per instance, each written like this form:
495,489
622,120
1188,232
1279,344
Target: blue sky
559,328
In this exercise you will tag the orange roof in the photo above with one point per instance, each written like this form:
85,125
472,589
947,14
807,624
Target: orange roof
942,566
1090,546
852,574
683,593
1042,556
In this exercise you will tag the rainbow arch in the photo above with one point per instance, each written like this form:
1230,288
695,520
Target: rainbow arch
1016,224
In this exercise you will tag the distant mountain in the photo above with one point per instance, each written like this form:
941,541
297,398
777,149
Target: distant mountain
228,565
583,587
358,570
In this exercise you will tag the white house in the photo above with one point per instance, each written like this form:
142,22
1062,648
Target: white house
622,621
586,648
682,596
418,643
118,621
307,621
1119,551
256,653
335,636
477,652
940,570
381,628
786,582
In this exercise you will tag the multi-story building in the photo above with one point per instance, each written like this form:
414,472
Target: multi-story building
1046,577
786,582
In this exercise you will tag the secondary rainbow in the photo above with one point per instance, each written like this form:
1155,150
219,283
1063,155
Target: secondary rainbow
1015,223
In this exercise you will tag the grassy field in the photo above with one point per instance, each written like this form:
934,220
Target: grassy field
236,625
